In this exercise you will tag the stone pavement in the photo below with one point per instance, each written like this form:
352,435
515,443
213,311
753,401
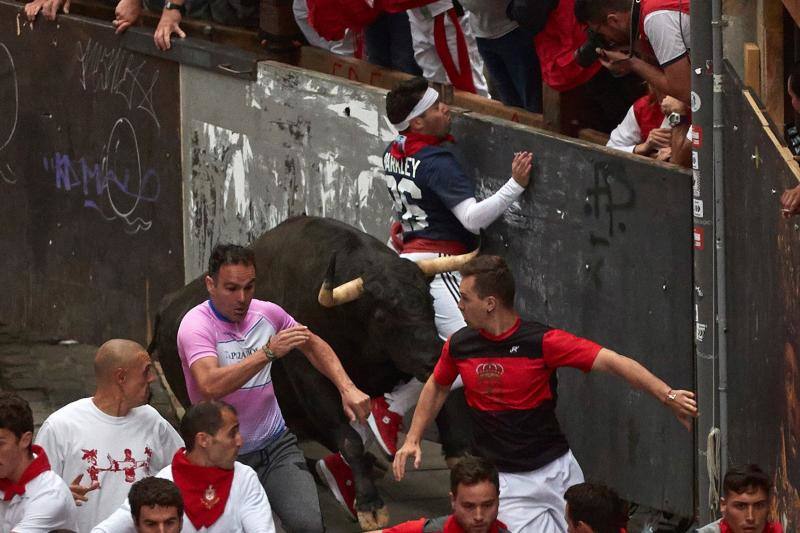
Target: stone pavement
50,373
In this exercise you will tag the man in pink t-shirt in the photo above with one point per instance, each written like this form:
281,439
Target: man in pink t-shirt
227,345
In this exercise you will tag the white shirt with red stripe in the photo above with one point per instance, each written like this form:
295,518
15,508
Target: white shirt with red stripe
665,27
246,511
46,505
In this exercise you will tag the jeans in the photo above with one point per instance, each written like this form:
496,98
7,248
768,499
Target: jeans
514,67
388,43
290,487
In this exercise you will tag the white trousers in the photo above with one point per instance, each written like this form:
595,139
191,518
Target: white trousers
533,502
422,22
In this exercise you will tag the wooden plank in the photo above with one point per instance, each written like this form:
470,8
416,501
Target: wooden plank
769,14
793,7
785,153
594,136
752,67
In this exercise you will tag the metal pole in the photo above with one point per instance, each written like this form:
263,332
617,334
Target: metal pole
703,191
719,232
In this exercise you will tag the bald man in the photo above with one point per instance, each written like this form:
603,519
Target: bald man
102,445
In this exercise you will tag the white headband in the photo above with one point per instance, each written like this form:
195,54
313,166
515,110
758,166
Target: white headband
428,99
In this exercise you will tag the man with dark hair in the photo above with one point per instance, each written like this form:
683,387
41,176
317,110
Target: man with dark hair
661,32
745,503
474,489
435,213
593,508
32,497
220,494
129,440
227,345
156,506
507,366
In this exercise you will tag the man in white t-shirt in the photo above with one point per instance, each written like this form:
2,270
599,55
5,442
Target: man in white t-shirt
662,31
220,494
33,499
103,444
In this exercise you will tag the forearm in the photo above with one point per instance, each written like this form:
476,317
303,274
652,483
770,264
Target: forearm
321,355
638,376
431,400
475,215
217,381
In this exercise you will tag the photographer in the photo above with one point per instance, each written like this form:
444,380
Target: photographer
656,29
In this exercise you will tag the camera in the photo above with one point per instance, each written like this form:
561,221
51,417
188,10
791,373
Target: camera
586,54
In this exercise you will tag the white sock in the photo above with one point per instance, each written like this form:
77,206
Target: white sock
404,396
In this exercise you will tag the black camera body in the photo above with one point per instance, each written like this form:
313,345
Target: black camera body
586,54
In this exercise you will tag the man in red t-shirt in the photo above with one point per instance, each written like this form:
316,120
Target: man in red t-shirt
474,491
507,365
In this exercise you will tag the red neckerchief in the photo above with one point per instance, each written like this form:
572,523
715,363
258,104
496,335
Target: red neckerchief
451,526
38,465
771,527
205,489
411,143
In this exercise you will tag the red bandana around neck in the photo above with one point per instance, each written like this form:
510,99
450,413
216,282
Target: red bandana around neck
205,489
771,527
38,465
451,526
409,144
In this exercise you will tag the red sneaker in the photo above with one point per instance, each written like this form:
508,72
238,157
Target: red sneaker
339,478
385,425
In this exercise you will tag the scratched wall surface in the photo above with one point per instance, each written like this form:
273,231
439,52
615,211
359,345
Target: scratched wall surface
283,145
90,224
600,245
763,307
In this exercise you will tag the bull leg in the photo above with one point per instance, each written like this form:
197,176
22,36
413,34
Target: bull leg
323,408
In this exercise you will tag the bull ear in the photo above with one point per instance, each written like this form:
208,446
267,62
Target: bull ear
330,296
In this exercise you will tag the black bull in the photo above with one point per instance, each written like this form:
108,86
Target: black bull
383,337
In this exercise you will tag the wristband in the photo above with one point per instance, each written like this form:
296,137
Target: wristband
172,5
269,353
671,396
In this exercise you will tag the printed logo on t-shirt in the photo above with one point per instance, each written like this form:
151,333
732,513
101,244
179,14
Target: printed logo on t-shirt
489,375
232,350
128,465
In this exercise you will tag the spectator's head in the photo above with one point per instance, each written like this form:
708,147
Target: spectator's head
487,285
746,493
231,280
793,87
414,107
593,508
210,430
609,18
156,506
16,434
474,493
123,371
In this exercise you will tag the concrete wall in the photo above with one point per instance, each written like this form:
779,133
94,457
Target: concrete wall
89,180
600,245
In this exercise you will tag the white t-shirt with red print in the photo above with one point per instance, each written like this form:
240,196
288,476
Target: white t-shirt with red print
116,451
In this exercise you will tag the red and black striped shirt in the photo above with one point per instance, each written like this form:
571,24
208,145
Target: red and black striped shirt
510,387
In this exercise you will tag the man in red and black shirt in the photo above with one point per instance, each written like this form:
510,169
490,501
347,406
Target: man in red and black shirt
474,491
508,368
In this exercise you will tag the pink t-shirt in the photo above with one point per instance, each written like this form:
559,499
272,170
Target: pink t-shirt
205,333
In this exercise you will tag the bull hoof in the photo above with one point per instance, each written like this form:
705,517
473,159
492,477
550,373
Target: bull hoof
370,520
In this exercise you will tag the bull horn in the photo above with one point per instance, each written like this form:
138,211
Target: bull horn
330,296
431,267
